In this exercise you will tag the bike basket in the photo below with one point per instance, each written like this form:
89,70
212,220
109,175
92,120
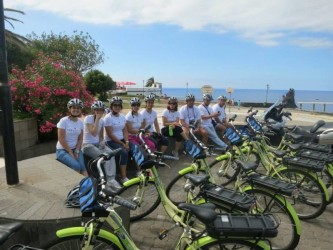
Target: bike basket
244,225
88,195
272,184
315,155
191,149
317,147
305,163
254,124
228,198
232,136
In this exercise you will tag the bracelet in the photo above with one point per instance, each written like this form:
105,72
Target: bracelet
77,151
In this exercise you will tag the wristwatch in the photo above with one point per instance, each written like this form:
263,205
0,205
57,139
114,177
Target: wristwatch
76,151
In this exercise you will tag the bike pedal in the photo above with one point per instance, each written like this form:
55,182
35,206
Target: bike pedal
163,234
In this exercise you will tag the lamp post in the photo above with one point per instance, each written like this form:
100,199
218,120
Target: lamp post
143,88
187,88
267,88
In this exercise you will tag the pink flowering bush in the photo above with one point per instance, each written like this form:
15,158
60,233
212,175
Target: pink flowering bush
43,90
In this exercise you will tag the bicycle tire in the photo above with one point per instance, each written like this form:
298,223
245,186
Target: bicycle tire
267,202
74,243
328,180
222,177
175,189
311,200
151,199
230,244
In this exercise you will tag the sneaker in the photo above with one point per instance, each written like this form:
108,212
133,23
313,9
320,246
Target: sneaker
174,153
114,184
124,180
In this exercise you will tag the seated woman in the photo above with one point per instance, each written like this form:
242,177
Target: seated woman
172,128
70,135
93,142
150,119
135,122
116,135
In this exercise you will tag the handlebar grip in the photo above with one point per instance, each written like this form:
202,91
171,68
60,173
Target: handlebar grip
169,157
124,203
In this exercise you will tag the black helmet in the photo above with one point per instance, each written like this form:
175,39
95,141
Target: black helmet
222,97
207,97
173,99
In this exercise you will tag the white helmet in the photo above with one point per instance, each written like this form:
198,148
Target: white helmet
173,99
222,97
98,105
189,97
150,97
135,100
75,102
116,99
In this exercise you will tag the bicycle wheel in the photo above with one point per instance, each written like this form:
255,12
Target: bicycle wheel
289,229
328,180
226,244
311,199
150,200
75,243
224,171
175,189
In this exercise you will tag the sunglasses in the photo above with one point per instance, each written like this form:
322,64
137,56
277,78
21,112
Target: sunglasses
172,103
99,110
136,105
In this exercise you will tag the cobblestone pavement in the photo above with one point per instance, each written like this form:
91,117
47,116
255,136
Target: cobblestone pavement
317,233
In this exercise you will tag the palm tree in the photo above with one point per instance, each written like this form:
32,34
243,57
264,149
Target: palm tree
11,37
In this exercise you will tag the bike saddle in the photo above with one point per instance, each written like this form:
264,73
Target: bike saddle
6,230
246,166
197,179
316,126
279,153
204,213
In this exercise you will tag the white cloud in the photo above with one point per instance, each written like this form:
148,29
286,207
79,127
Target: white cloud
266,22
310,42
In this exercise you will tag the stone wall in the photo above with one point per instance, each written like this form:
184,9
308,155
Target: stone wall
26,140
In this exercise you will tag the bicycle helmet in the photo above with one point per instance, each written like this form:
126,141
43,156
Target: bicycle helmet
173,99
207,97
75,102
222,97
135,100
189,97
116,99
150,97
98,105
73,198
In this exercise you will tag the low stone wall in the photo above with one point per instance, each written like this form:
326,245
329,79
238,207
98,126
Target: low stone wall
26,140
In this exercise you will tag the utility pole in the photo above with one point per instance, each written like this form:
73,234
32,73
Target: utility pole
6,110
267,88
187,88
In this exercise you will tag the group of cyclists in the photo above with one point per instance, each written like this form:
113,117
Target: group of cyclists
104,131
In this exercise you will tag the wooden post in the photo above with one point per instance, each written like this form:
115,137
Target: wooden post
300,105
324,107
313,107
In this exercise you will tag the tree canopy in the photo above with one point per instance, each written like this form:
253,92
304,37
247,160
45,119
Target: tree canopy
98,83
78,50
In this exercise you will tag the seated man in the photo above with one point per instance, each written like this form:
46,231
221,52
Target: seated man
210,120
219,107
190,113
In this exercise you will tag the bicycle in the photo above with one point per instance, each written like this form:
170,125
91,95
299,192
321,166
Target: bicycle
267,190
7,230
246,231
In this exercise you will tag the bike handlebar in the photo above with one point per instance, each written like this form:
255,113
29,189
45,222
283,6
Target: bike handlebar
124,203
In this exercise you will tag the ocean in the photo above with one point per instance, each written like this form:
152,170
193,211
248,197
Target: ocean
261,95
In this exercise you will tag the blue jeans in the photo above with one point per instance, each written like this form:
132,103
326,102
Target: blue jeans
214,137
124,153
77,164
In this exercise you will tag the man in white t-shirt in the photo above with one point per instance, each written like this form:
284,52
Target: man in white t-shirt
189,113
209,120
220,107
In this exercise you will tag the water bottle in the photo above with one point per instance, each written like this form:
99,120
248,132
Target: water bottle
170,131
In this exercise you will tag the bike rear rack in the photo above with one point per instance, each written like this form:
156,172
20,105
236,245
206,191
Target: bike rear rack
228,198
304,163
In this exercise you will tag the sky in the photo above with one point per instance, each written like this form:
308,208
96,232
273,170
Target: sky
244,44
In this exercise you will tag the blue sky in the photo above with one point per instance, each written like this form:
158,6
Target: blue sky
237,43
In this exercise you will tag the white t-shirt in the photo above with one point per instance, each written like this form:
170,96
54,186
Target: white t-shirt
149,118
135,120
72,131
217,108
117,123
206,110
170,116
87,136
189,114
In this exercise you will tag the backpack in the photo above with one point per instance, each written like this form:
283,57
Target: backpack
88,193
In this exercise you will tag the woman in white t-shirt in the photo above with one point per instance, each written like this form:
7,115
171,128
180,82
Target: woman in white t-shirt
70,135
150,119
116,135
172,127
93,142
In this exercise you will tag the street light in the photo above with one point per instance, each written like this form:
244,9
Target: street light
187,88
266,93
143,88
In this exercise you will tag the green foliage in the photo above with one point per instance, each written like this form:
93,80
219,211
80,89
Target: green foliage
98,83
17,57
43,90
78,50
